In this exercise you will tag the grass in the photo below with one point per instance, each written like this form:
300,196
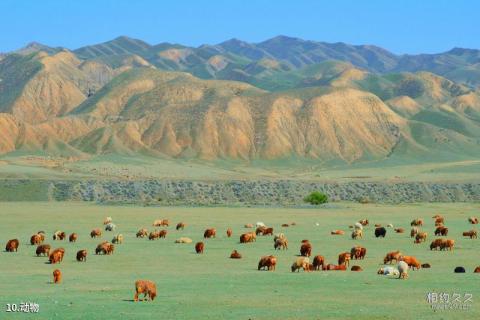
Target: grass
211,286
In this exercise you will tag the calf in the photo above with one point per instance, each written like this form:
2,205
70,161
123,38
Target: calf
59,235
199,246
318,262
82,256
344,258
12,245
420,237
43,249
57,276
148,288
472,234
399,230
356,268
73,237
210,233
306,250
235,255
301,263
36,239
229,232
180,225
142,233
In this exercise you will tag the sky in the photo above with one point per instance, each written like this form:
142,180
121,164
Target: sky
421,26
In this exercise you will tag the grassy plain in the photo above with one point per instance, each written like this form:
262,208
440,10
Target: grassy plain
211,286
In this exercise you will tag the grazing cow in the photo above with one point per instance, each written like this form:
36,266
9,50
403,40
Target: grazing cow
337,232
332,267
380,232
402,269
420,237
318,262
210,233
43,249
411,261
285,225
260,230
459,270
118,239
12,245
95,233
248,226
148,288
57,276
358,252
180,225
356,268
235,255
357,233
36,239
394,255
142,233
73,237
477,270
426,265
161,223
162,234
473,220
472,234
102,248
183,240
268,232
436,244
110,227
413,232
107,220
59,235
82,255
229,232
248,237
344,258
281,243
364,222
268,262
56,256
441,231
399,230
199,246
416,222
301,262
306,250
154,235
447,244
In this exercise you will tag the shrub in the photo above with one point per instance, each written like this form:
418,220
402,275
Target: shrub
316,198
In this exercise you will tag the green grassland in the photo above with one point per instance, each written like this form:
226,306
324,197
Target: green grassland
212,286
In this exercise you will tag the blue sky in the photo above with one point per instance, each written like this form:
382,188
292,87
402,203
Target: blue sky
422,26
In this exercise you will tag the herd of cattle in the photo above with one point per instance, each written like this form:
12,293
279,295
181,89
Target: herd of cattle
280,242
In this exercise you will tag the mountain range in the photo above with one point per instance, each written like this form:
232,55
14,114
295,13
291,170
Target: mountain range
283,98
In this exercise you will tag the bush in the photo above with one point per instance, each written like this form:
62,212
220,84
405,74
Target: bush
316,198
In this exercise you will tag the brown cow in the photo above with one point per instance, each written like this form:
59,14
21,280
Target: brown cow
154,235
36,239
285,225
268,232
417,222
477,270
199,246
420,237
12,245
235,255
390,256
472,234
426,265
142,233
59,235
306,250
439,220
73,237
82,256
268,262
57,276
436,244
260,230
473,220
358,252
43,249
248,237
318,261
399,230
180,225
301,263
411,261
356,268
413,232
56,256
95,233
331,267
363,222
103,248
229,232
441,231
210,233
147,288
447,244
344,258
162,233
337,232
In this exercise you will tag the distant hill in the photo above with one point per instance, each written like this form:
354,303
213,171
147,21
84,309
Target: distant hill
281,99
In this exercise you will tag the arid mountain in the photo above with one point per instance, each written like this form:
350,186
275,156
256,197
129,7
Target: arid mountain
291,99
